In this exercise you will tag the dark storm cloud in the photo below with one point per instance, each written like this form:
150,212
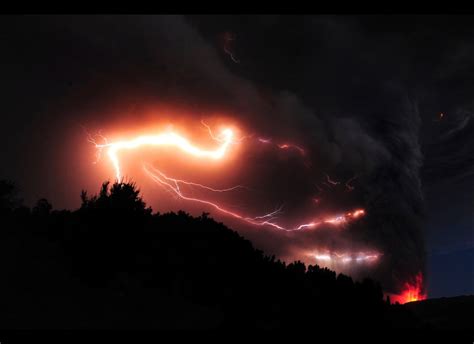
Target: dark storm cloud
453,160
350,90
369,126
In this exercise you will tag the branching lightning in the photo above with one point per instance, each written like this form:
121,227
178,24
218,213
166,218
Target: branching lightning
330,181
268,219
282,145
184,190
348,184
228,39
225,138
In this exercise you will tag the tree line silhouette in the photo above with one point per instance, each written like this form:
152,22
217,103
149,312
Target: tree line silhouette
113,263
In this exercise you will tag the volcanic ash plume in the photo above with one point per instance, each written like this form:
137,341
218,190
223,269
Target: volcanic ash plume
333,186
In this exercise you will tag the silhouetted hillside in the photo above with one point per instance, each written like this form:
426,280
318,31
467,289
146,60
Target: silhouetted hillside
453,313
114,264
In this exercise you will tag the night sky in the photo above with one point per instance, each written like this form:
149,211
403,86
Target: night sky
386,98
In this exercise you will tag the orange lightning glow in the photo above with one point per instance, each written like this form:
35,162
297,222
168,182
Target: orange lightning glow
225,139
167,139
346,258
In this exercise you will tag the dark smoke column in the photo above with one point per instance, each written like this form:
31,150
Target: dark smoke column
394,197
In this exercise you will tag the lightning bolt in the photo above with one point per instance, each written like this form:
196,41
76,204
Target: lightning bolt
345,258
225,138
282,145
330,181
166,139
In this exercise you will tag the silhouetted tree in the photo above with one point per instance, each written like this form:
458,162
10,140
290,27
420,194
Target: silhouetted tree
9,195
43,207
117,264
121,196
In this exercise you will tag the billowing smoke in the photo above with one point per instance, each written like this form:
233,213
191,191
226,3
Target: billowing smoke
359,127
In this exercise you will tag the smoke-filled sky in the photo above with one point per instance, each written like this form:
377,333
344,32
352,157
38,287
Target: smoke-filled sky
384,102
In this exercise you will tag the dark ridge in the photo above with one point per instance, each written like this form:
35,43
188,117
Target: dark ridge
447,313
113,264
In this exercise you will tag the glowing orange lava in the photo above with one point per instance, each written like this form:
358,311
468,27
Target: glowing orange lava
412,291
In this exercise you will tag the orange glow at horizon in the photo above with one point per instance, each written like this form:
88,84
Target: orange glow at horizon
412,291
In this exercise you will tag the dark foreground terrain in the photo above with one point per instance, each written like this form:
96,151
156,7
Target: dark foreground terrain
113,264
445,313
